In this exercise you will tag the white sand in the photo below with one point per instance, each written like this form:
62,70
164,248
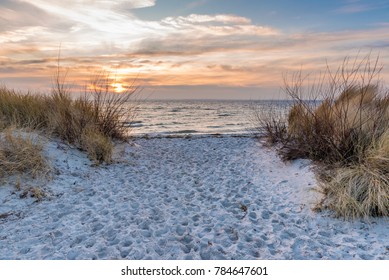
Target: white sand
181,199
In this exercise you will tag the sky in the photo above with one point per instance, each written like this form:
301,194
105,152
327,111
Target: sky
186,49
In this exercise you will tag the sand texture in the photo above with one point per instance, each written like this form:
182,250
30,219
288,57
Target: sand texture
198,198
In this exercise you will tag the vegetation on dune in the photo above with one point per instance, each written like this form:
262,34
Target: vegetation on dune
345,127
22,110
90,122
21,152
97,145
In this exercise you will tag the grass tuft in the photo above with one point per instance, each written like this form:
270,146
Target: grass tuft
22,110
98,146
357,191
20,153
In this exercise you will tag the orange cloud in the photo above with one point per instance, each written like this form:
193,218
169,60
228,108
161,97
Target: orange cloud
193,50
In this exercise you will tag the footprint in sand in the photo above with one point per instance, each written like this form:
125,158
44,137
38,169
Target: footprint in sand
266,214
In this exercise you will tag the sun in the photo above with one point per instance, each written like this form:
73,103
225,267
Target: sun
118,87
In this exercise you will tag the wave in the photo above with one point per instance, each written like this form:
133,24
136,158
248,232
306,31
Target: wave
215,126
225,115
185,131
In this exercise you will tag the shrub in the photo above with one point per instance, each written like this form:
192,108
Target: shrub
269,123
348,131
339,130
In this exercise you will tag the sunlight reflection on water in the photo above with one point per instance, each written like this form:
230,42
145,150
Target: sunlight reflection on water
199,116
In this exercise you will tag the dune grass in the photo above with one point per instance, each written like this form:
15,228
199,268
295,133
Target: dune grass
21,153
91,122
98,146
22,110
346,130
339,130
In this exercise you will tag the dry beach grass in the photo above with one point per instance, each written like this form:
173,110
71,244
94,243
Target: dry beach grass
21,153
347,131
90,122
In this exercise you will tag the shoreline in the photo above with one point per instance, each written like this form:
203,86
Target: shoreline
178,198
191,135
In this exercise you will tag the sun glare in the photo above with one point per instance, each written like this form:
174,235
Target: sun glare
118,87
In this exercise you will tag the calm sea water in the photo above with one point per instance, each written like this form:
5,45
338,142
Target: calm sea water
200,116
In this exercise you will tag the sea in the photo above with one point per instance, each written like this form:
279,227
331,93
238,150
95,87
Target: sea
202,117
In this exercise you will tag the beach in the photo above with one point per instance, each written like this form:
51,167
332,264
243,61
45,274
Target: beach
180,198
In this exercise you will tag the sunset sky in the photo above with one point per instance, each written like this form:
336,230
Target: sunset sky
186,48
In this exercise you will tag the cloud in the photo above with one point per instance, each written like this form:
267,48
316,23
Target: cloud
199,34
101,4
97,15
135,4
354,7
198,49
194,18
95,23
17,14
19,35
221,25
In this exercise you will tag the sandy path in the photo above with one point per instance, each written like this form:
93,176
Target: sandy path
207,198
